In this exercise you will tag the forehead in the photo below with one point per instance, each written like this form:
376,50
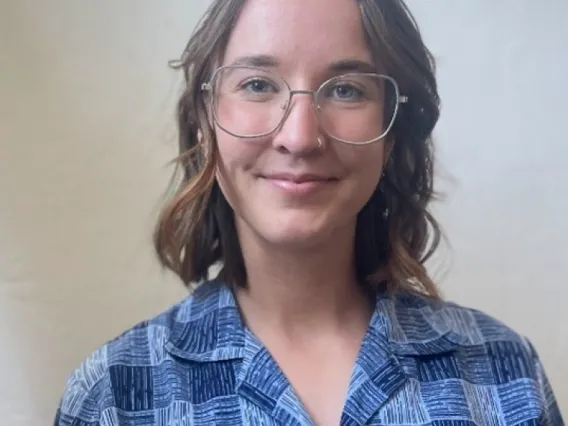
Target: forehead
307,33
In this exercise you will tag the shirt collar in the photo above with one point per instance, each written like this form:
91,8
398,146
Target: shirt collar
207,326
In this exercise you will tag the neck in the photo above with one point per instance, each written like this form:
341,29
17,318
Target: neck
302,290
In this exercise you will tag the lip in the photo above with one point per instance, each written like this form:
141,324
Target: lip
299,184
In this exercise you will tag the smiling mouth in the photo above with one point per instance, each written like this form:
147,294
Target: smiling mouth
299,185
298,177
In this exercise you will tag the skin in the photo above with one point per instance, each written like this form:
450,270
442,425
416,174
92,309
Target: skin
302,300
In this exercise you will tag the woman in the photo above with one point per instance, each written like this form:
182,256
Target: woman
305,134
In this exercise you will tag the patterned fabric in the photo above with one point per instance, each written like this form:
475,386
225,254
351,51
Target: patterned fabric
421,362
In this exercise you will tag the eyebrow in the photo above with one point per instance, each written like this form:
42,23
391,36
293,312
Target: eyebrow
352,65
257,61
340,66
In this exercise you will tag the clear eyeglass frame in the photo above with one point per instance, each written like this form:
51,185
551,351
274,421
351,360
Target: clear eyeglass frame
209,87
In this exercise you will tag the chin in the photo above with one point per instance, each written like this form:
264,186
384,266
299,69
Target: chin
295,238
298,232
297,227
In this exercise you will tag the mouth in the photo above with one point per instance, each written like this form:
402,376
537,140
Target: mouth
299,184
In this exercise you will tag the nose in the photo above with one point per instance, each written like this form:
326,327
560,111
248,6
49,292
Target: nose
300,129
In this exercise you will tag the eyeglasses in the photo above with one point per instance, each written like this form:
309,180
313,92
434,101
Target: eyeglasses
355,108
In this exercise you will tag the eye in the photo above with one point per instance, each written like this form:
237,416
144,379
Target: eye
258,85
345,92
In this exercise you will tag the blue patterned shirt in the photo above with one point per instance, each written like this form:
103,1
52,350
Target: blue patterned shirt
422,362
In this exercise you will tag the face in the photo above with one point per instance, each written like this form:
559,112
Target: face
289,188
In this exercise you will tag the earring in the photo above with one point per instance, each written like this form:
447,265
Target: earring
204,149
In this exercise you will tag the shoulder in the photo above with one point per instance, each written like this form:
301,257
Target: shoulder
452,351
469,338
417,318
130,359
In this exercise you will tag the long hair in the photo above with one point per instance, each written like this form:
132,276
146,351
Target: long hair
395,233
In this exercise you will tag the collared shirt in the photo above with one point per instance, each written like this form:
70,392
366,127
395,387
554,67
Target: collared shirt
421,362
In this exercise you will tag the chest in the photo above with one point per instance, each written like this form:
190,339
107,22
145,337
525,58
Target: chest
320,379
236,411
379,393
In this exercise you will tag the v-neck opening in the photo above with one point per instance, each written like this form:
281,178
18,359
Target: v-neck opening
375,376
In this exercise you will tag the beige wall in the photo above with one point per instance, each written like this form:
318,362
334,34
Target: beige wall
86,129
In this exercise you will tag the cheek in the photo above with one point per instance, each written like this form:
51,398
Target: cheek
235,164
234,155
365,163
366,166
368,181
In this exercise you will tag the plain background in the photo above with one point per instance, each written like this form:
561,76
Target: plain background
87,129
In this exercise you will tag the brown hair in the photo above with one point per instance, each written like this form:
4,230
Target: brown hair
395,233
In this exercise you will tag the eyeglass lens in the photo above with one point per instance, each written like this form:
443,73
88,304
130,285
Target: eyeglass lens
355,108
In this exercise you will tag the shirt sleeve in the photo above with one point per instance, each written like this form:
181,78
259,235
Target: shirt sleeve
63,419
551,415
77,408
80,403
